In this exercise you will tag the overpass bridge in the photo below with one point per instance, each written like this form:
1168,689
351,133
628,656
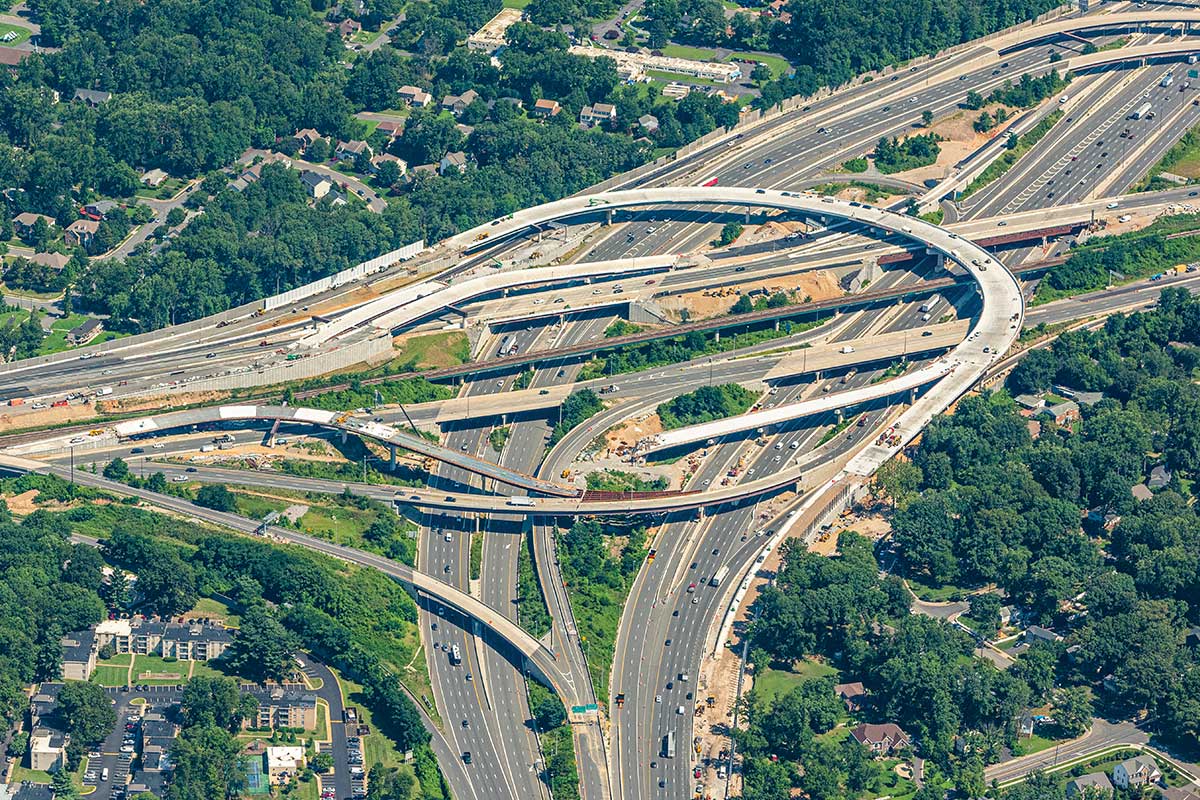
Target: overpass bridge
1124,20
336,420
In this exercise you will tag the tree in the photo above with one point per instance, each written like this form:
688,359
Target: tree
744,305
729,233
387,174
175,216
760,74
215,700
927,118
207,765
1073,710
86,714
261,649
116,470
217,497
899,479
985,610
61,785
974,100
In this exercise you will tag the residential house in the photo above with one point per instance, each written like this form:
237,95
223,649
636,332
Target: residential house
854,695
100,209
348,151
400,163
43,703
1180,793
456,161
1025,725
55,261
81,232
154,178
283,763
1136,771
1036,633
391,128
1141,492
23,223
544,109
80,335
79,651
415,96
304,138
11,57
456,104
1093,785
1160,476
47,749
335,198
422,169
287,705
1063,413
648,122
316,185
598,114
91,97
348,27
881,739
1030,403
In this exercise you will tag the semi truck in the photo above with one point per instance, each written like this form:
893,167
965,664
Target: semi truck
1167,80
669,745
524,502
930,304
719,576
1141,111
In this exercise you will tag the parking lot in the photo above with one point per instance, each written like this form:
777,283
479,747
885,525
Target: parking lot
108,767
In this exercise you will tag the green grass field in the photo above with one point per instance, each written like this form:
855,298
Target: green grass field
144,665
772,683
214,609
56,341
110,676
249,505
446,349
515,3
693,53
22,34
778,65
165,191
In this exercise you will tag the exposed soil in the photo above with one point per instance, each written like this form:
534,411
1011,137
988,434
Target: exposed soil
702,304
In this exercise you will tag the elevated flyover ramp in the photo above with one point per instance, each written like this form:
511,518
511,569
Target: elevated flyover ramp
384,434
1125,20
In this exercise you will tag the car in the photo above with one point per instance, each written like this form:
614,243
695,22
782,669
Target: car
691,588
470,677
466,756
658,698
137,450
178,479
211,355
1002,223
927,333
446,569
667,643
716,551
466,723
189,469
158,445
696,773
670,685
662,783
126,748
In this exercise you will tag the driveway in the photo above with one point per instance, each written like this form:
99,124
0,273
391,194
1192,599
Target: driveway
156,699
331,693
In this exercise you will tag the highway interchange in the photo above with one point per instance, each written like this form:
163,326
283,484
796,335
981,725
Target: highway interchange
1082,158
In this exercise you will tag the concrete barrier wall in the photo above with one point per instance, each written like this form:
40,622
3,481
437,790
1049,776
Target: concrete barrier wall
345,276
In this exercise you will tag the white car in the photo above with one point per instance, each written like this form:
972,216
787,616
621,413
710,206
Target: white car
178,479
1113,205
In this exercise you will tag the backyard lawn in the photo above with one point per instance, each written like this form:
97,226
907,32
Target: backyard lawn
775,682
22,34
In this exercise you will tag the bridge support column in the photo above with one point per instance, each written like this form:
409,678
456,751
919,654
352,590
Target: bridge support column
817,376
392,457
941,260
747,215
841,416
912,395
717,335
608,214
343,437
777,324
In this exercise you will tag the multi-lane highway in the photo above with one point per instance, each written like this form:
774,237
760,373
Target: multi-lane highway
1099,149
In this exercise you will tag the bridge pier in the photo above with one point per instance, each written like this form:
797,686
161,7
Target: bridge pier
717,335
841,415
776,324
608,216
343,437
912,395
392,457
747,215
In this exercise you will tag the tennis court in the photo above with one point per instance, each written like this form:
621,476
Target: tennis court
256,782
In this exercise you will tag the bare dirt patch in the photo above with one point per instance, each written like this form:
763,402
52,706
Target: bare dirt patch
47,416
960,140
155,402
704,303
